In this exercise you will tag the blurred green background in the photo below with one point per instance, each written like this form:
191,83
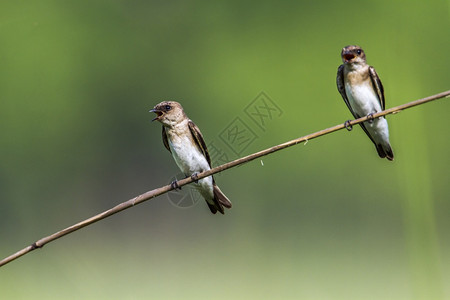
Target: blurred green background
326,220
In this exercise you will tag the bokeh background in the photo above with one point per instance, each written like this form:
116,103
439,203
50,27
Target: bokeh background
325,220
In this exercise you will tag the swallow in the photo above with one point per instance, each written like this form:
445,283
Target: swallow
185,142
361,88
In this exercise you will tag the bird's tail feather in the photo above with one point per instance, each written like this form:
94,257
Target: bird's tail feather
385,151
220,201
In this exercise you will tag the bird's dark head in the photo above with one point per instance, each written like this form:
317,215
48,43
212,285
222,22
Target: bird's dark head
168,113
353,54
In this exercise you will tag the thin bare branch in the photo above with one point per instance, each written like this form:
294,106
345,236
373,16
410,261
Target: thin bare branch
162,190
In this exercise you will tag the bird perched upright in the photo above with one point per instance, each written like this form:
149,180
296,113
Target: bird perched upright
185,141
362,91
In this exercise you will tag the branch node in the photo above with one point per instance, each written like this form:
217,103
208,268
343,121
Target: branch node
35,246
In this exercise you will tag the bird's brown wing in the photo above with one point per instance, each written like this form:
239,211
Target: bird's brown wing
341,88
198,138
165,140
377,85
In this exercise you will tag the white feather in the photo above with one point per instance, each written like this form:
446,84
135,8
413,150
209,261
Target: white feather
364,101
190,159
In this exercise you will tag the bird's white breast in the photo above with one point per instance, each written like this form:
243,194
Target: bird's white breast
187,155
191,160
362,98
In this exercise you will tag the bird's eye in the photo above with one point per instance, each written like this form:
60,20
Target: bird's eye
168,107
358,51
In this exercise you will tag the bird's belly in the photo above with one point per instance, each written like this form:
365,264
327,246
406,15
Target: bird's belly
190,160
188,157
362,99
378,130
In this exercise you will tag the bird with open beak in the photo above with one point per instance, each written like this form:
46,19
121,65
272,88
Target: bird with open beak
185,142
362,91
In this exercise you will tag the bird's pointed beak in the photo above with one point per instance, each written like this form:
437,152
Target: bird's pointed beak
158,113
347,56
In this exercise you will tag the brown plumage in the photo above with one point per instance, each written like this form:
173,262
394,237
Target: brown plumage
185,142
362,91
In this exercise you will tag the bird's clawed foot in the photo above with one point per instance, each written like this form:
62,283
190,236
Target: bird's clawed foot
194,177
175,185
370,118
348,126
